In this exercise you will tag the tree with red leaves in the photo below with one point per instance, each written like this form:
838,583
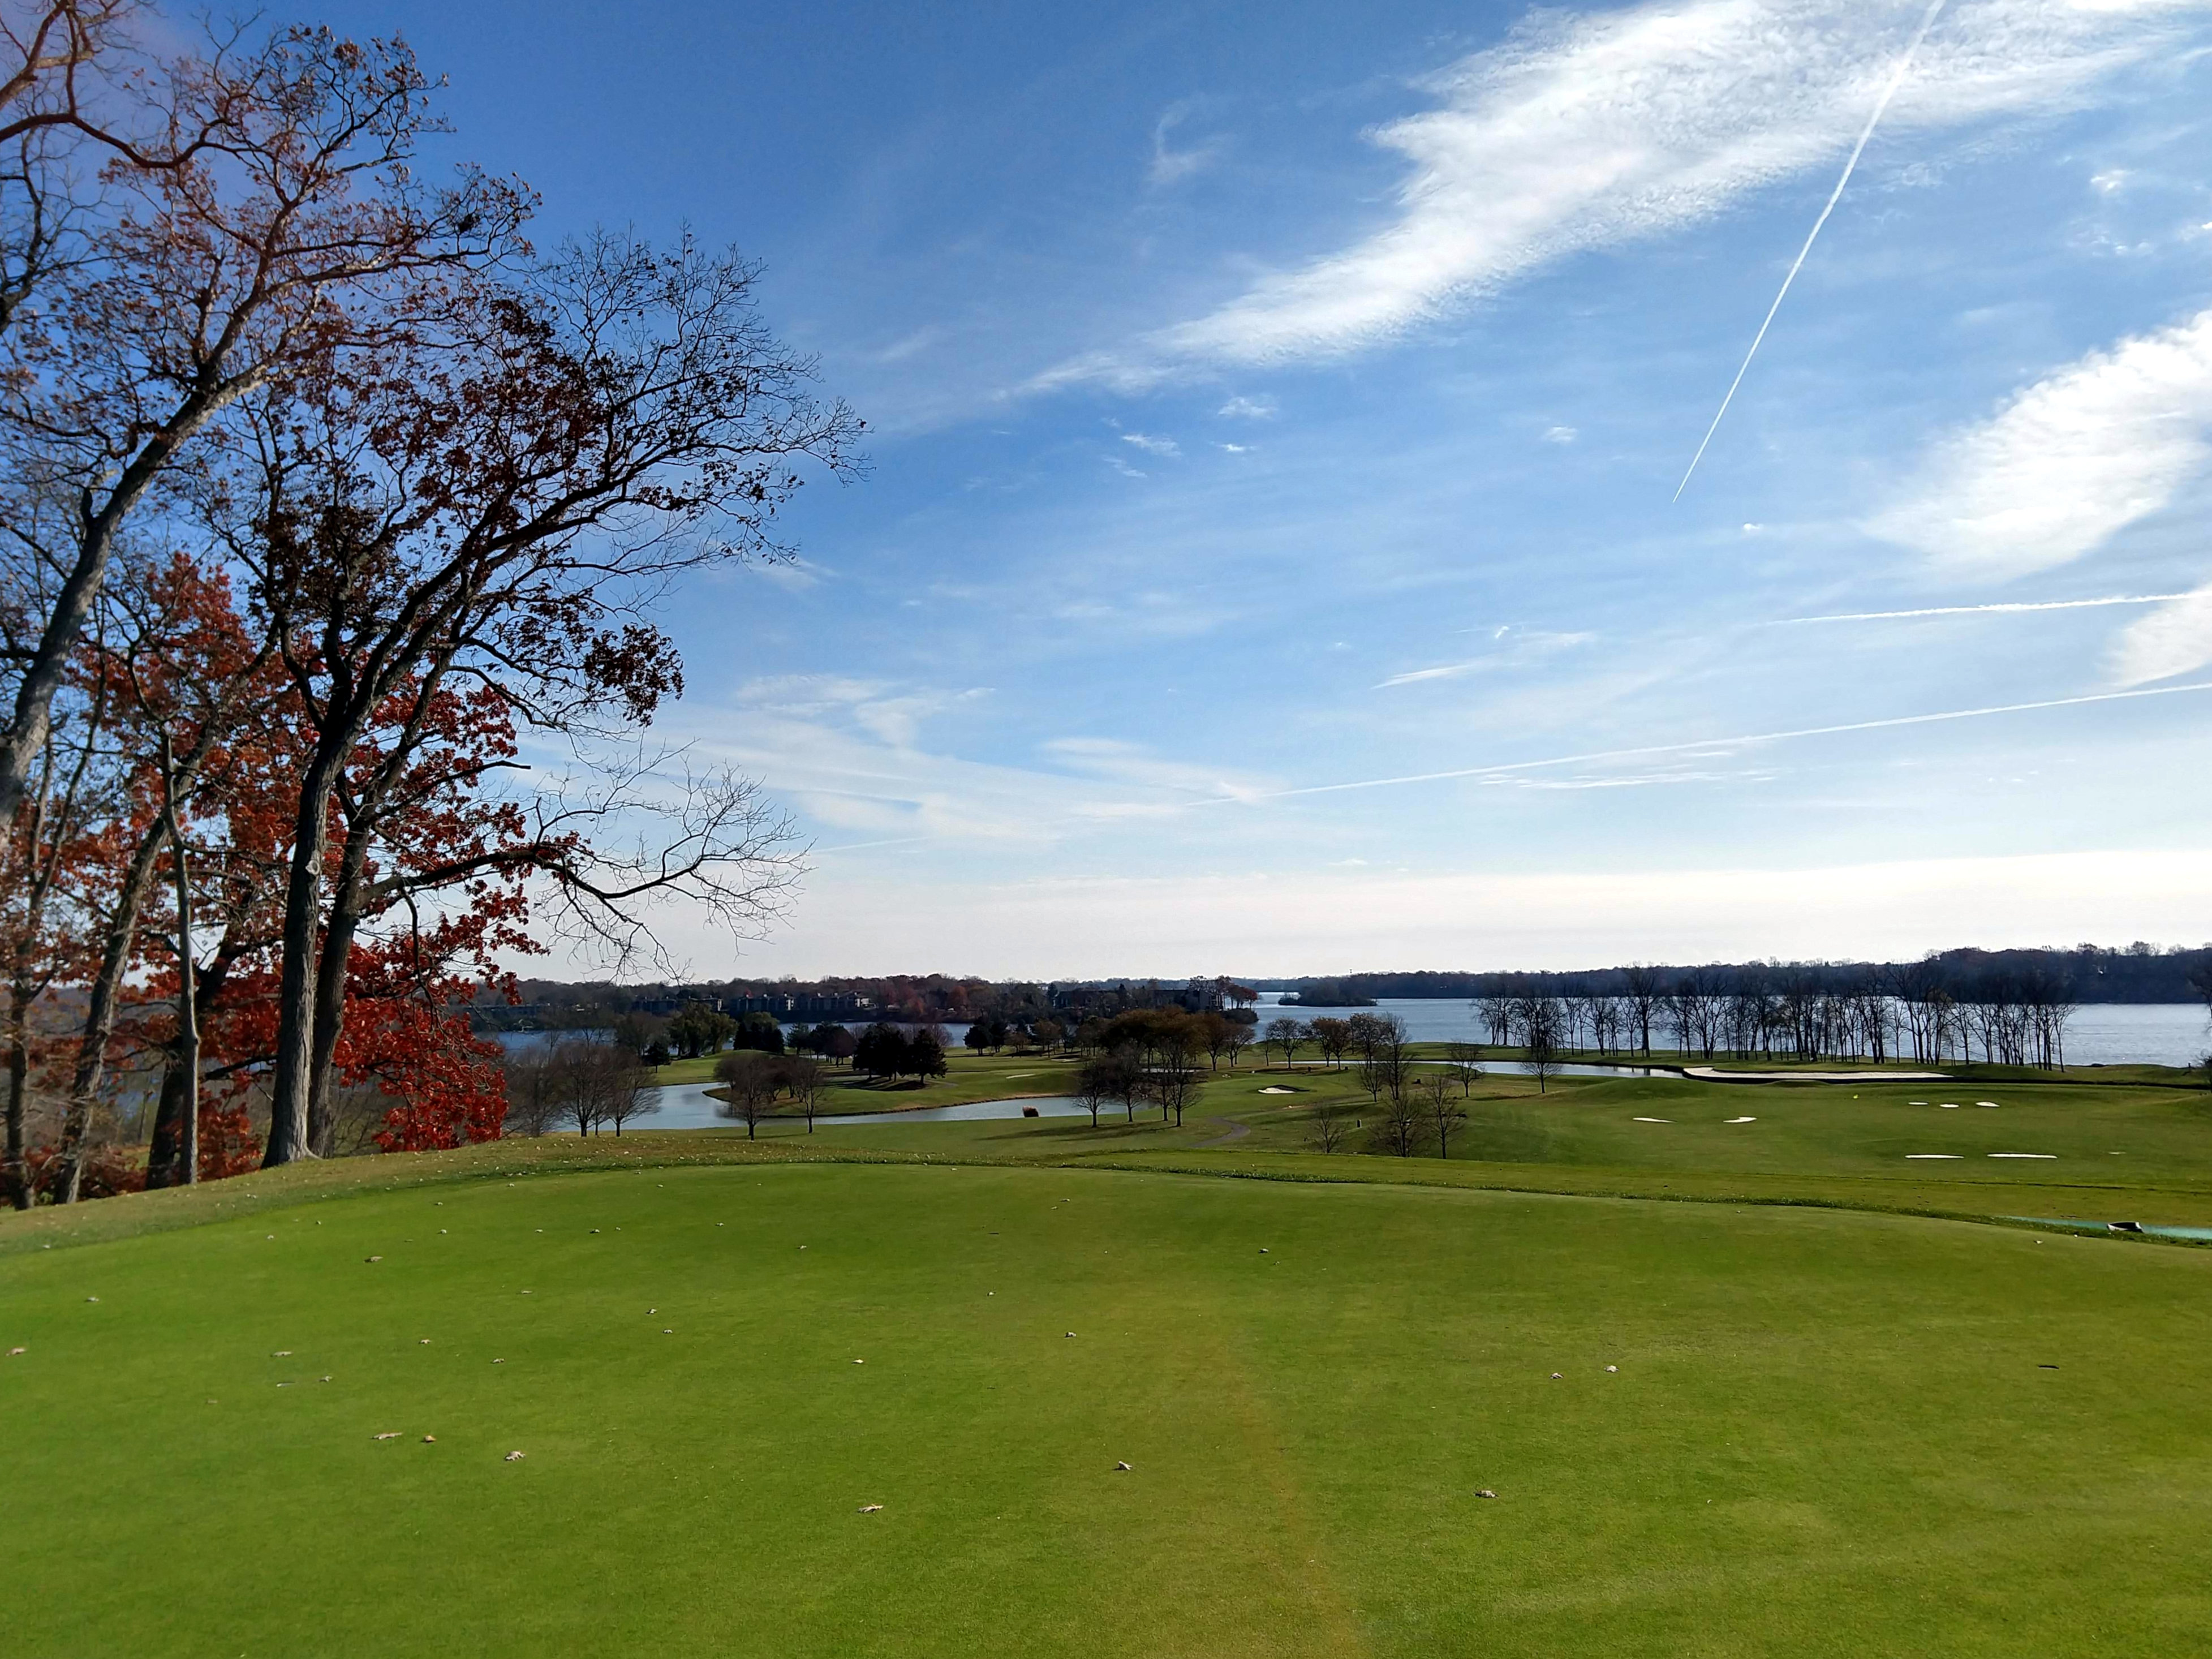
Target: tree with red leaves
497,504
419,489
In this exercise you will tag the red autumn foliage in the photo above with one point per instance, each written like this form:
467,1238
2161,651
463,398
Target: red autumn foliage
229,1145
449,1081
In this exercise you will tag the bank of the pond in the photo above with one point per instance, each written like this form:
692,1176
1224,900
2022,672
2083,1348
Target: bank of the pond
689,1106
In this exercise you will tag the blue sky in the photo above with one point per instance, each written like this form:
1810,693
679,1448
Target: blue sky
1277,407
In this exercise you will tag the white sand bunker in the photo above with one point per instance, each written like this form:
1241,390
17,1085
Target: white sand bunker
1935,1155
1743,1119
1652,1120
1916,1103
1277,1089
2023,1154
1948,1105
1991,1104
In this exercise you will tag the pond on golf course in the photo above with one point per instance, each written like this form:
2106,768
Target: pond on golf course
689,1106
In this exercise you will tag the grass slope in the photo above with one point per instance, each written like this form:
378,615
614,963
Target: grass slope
1829,1433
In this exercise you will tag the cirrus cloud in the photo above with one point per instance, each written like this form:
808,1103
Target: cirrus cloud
1593,131
2175,639
2067,462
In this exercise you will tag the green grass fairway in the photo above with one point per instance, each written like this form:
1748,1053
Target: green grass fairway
1830,1433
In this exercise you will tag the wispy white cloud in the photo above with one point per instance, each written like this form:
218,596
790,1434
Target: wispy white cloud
1561,435
2174,640
2068,462
2005,609
892,714
912,343
1116,761
1171,165
791,573
1151,444
1519,648
1249,408
1589,132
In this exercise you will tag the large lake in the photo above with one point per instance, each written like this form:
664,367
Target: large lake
2100,1033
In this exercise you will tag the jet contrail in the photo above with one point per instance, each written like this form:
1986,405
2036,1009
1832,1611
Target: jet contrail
1506,768
1894,720
1881,105
1979,610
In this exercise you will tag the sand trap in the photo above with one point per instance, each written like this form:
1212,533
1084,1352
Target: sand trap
1935,1155
1272,1090
1652,1120
1991,1103
1743,1119
2023,1155
1916,1103
1948,1105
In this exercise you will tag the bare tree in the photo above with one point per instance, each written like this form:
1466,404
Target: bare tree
1172,1082
1285,1035
576,1085
1463,1056
806,1078
1220,1036
1332,1036
1539,1042
1125,1078
1445,1115
752,1080
1646,990
533,1103
1330,1129
1399,1127
1384,1063
1097,1081
626,1083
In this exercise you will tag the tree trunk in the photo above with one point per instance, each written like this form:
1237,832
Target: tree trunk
99,1011
19,1071
169,1135
291,1083
188,1014
338,931
163,1157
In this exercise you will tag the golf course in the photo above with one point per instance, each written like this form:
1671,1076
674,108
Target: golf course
1591,1384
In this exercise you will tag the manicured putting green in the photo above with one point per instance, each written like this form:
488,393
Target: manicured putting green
1828,1433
